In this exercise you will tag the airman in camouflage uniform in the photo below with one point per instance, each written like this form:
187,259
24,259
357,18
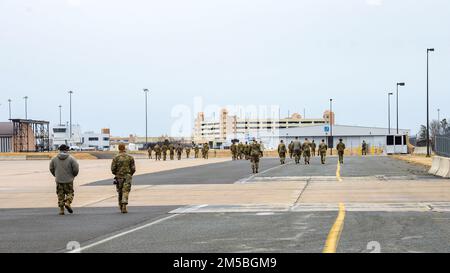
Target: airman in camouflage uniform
64,168
306,147
164,151
341,149
247,151
291,149
297,149
205,151
255,155
241,150
157,152
188,151
313,149
323,151
150,150
196,151
282,152
172,151
179,150
123,167
233,149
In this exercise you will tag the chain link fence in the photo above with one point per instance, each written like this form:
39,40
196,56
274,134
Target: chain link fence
442,146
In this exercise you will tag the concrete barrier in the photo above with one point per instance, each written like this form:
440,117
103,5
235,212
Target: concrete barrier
435,165
444,167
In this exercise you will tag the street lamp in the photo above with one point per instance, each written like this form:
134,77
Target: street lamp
9,103
60,122
70,113
439,121
428,103
398,84
146,117
331,126
26,106
389,112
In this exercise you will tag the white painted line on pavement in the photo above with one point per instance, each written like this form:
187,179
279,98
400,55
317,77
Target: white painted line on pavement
123,234
245,180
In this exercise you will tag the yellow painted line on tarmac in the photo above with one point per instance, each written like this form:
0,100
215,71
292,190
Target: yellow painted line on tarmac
338,172
335,233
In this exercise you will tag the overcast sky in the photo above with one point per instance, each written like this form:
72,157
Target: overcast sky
292,53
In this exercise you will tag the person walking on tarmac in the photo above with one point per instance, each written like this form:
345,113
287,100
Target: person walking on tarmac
255,155
364,148
306,147
341,149
282,152
123,168
64,168
297,148
323,151
313,148
291,149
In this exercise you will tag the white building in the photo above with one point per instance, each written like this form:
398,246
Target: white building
96,141
60,135
352,136
85,141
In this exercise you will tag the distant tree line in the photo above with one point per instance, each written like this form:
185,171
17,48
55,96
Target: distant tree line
436,129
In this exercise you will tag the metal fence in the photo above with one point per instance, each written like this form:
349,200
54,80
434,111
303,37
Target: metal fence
443,146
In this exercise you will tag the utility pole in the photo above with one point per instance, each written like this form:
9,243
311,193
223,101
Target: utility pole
9,103
70,128
146,117
26,106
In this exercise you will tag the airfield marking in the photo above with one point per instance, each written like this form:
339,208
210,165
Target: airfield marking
123,234
335,233
338,172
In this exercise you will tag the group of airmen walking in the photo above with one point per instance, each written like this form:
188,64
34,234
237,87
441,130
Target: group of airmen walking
308,149
167,150
252,152
65,168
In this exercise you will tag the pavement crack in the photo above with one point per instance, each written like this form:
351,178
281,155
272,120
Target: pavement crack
308,181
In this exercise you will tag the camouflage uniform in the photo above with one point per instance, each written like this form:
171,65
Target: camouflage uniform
157,152
313,148
247,151
233,149
282,152
164,151
188,151
306,147
150,150
341,148
179,151
241,150
297,148
323,151
172,151
291,149
205,151
65,194
196,151
123,167
255,155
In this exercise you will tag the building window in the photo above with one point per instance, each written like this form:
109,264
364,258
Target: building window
59,130
93,139
106,139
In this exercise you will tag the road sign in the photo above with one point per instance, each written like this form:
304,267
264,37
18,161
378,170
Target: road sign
326,128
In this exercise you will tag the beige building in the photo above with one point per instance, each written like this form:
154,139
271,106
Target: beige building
226,128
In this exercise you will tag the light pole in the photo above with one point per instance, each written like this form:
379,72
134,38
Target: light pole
26,106
146,117
398,84
389,112
331,126
439,121
428,103
70,113
9,103
60,122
